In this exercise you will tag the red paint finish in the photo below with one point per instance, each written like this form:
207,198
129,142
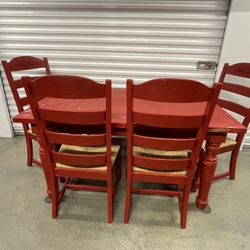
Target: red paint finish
152,105
20,64
119,115
221,123
219,118
241,70
76,111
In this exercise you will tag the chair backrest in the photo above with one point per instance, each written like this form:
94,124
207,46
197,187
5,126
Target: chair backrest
22,63
171,115
74,111
241,70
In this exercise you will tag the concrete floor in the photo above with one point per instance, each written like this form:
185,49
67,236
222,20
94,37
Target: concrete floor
25,219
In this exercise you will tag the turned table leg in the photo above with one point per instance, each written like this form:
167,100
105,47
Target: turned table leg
208,168
47,174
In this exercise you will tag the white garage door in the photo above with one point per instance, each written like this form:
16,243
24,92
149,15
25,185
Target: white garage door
116,39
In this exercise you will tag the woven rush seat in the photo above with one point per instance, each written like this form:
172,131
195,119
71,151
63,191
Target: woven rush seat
227,143
70,149
147,152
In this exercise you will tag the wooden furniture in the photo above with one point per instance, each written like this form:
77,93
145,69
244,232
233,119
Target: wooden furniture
221,123
164,143
24,63
75,139
233,146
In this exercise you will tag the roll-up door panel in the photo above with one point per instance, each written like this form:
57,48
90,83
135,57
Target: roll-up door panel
114,39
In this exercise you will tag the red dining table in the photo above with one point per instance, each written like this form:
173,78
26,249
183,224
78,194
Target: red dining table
220,124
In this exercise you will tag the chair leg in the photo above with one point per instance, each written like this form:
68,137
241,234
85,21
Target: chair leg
196,179
55,196
184,206
233,160
118,168
29,148
128,198
110,199
47,174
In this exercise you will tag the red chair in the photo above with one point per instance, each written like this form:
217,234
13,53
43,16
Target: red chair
231,104
167,120
74,124
24,63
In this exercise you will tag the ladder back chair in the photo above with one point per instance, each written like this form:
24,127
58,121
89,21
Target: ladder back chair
230,102
74,124
167,120
22,64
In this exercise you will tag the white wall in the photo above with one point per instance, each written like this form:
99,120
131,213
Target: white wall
236,48
5,124
236,43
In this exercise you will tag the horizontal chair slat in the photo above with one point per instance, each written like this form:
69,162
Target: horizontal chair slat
78,173
237,88
237,72
25,63
158,178
72,117
24,101
168,120
19,83
156,192
161,164
171,90
57,84
237,108
80,159
164,143
76,139
86,188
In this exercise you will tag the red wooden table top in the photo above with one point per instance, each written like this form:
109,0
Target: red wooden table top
221,121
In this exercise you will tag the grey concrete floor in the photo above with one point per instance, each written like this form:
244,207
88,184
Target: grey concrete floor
25,219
